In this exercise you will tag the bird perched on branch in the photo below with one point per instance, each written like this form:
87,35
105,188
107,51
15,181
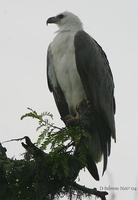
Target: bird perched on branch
81,81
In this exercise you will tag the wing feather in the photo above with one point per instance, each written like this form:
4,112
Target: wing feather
54,86
96,76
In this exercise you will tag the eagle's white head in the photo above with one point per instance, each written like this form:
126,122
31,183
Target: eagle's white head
66,21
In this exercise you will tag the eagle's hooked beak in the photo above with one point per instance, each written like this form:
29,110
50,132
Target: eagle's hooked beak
52,20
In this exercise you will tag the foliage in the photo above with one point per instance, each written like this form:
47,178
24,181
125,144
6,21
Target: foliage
49,168
57,140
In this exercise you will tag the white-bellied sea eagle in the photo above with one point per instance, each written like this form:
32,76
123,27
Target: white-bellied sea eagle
81,81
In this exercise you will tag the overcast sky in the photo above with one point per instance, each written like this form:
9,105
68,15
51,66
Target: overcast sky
24,38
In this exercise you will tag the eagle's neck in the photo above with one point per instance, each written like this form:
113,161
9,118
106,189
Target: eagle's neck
63,31
72,27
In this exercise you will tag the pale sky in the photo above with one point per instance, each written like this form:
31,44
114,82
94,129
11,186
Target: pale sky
24,38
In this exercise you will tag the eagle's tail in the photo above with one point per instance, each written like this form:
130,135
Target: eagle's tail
92,168
94,146
91,141
94,154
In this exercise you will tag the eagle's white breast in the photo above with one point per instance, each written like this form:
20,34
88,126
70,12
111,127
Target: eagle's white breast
64,62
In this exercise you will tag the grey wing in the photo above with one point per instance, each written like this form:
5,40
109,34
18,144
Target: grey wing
97,79
54,86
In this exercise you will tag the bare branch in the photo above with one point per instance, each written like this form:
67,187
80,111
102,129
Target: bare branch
94,191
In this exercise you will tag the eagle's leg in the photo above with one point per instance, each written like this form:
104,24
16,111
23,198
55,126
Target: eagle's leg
71,120
79,114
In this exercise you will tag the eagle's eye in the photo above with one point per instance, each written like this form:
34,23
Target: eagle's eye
60,16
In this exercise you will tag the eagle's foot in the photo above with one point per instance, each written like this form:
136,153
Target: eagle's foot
71,120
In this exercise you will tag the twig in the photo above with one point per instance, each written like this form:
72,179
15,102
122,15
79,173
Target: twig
94,191
51,125
12,140
67,146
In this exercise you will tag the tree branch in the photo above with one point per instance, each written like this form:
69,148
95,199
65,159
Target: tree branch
41,175
94,191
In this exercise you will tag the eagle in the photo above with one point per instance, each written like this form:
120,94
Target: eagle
80,78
